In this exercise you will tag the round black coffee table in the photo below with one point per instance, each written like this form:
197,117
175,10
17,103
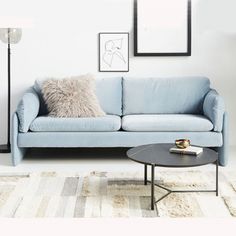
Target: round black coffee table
159,155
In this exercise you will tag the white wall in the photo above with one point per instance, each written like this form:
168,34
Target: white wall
64,41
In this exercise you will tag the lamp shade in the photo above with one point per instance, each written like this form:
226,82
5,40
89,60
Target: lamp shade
10,35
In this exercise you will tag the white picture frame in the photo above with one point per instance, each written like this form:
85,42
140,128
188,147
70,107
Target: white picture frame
114,52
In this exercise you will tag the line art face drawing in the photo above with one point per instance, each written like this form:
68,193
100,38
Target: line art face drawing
113,49
114,52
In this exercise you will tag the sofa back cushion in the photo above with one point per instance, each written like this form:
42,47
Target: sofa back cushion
176,95
108,91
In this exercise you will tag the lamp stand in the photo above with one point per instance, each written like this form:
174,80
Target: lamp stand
6,148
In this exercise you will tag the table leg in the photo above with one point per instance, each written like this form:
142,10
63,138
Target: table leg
217,178
145,174
152,187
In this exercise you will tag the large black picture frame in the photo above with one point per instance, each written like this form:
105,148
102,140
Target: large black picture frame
182,53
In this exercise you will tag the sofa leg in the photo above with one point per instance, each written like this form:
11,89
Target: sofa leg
16,152
224,150
17,155
223,155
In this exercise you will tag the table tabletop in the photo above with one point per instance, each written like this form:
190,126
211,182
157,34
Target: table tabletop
159,155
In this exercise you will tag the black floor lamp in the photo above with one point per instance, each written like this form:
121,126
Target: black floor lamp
9,36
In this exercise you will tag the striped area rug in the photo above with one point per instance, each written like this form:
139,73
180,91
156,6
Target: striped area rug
103,194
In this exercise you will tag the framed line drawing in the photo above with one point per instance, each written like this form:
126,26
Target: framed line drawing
114,52
162,28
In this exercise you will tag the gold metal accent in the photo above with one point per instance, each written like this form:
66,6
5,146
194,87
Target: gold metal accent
182,143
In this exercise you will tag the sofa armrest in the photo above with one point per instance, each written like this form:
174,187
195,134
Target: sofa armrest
214,109
27,109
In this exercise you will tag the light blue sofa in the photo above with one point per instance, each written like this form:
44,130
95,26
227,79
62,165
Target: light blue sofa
139,111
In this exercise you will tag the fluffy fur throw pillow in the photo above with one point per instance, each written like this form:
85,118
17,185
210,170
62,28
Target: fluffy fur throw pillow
72,97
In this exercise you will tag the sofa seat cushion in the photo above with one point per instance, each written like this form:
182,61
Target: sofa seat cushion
53,124
175,122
